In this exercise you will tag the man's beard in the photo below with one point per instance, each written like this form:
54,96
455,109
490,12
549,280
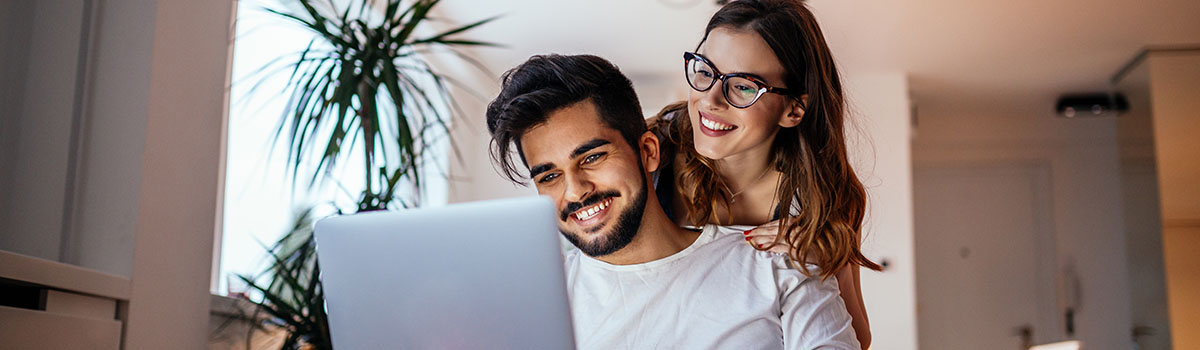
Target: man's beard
623,231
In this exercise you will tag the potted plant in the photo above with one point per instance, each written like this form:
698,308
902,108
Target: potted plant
361,80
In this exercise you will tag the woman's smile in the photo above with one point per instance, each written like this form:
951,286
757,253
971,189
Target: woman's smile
714,126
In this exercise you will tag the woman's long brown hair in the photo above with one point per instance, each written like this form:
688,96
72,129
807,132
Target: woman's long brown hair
817,176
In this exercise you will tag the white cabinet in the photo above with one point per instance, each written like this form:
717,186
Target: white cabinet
51,305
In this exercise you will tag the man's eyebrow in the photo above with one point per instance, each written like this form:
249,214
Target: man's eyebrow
584,148
588,146
540,168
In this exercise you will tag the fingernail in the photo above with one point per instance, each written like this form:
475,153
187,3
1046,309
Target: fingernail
760,245
747,238
747,232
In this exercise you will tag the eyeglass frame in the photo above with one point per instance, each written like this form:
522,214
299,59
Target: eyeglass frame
763,87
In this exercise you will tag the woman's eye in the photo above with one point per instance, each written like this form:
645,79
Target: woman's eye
746,89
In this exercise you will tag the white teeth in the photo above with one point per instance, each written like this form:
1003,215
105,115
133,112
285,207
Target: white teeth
715,125
584,214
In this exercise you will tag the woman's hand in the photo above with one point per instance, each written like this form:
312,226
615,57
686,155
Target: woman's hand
763,237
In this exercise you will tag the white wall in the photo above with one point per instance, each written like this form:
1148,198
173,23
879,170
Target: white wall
1085,197
1143,216
180,172
15,17
472,177
879,103
43,64
91,225
1174,82
113,136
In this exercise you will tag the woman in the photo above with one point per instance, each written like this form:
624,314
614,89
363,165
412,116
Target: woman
761,131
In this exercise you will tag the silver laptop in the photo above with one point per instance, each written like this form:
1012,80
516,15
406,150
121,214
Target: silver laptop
481,275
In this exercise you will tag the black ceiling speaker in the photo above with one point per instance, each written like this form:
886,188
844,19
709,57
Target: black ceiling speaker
1091,105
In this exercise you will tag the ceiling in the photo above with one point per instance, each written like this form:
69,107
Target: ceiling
1011,57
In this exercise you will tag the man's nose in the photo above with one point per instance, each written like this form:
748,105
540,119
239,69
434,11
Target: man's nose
579,187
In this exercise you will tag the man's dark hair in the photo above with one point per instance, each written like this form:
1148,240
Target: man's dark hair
547,83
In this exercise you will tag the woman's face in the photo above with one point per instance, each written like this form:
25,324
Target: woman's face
720,130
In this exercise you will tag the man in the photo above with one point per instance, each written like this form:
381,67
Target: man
638,281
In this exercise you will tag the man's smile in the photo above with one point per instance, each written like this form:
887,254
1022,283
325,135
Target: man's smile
591,215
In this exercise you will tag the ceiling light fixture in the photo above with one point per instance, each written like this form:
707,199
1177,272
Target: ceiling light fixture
1091,105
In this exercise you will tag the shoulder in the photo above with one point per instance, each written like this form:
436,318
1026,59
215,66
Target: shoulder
812,313
728,244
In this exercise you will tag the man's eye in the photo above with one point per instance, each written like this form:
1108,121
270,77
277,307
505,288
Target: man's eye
592,158
548,178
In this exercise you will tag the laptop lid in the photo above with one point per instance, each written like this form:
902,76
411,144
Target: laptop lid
465,276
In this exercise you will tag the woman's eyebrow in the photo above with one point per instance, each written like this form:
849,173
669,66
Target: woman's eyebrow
718,70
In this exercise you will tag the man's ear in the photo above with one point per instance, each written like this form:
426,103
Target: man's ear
648,146
795,112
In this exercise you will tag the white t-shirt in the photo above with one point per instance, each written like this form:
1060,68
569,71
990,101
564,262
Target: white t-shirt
718,293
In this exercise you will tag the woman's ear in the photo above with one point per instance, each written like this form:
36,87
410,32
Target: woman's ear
648,146
795,112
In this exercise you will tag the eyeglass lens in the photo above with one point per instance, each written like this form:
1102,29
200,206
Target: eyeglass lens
739,92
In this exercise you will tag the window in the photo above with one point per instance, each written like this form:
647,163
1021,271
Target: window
260,201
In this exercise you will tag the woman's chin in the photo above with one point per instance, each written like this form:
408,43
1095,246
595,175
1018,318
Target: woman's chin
710,151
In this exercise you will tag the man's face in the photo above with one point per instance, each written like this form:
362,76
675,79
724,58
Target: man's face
595,178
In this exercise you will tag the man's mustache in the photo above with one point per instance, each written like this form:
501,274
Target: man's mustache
590,201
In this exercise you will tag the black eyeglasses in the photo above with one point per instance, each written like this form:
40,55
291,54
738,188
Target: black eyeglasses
741,89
